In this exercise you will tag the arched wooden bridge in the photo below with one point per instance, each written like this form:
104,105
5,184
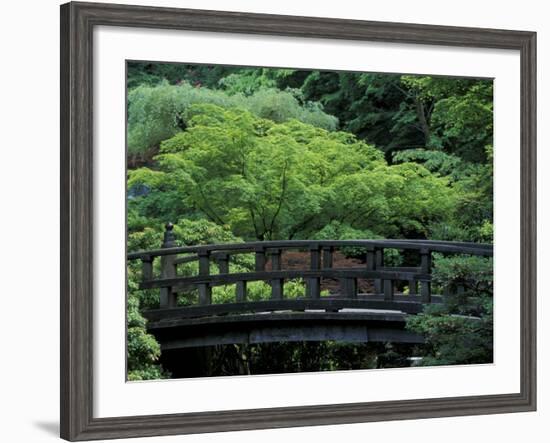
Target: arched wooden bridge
345,314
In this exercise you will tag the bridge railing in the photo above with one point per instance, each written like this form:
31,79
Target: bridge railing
320,267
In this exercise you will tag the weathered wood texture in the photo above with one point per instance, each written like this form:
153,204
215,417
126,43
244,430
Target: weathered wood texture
241,248
320,267
253,330
402,304
252,321
224,279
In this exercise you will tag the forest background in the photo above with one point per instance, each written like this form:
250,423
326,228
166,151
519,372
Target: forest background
233,154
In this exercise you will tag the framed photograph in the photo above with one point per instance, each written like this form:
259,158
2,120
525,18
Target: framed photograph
272,221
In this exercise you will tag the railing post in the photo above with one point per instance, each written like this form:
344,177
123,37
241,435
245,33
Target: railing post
205,291
388,290
277,284
259,259
240,290
371,263
168,298
313,285
327,257
147,268
426,266
348,287
378,263
223,263
412,287
380,284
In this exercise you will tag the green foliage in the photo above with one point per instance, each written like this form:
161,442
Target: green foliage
142,349
230,154
453,339
288,180
391,111
337,230
407,112
200,232
473,273
151,74
248,81
436,161
257,290
156,113
472,185
397,201
459,331
470,129
454,115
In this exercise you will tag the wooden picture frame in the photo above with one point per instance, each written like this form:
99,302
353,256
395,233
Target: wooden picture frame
77,23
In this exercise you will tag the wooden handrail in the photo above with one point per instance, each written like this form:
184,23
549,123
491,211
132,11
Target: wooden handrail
320,267
222,279
243,248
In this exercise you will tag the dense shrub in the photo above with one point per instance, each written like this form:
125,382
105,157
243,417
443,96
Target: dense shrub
156,113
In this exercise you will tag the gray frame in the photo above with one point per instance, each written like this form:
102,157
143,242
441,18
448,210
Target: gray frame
77,22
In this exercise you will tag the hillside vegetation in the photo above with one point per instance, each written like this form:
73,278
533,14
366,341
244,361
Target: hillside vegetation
239,154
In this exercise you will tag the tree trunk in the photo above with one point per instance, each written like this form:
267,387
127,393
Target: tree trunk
423,120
